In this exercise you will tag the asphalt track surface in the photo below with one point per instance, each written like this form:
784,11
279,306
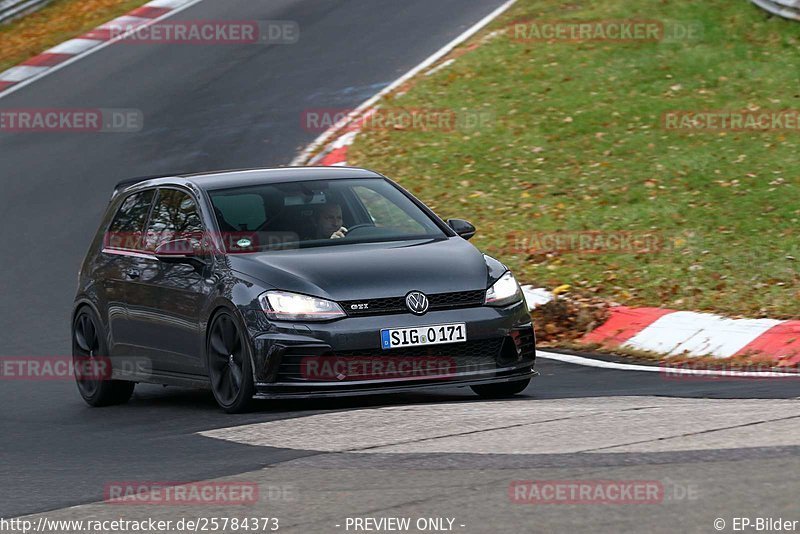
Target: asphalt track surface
216,107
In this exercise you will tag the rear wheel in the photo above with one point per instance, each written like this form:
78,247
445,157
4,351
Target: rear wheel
229,367
504,389
91,363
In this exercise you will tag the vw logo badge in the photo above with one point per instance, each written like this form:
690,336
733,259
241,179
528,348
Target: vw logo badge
417,302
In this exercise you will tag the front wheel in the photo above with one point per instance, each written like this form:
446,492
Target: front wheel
501,390
229,367
92,365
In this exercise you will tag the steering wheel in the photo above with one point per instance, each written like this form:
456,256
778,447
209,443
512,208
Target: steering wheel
357,226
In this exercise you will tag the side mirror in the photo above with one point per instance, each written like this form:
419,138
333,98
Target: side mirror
462,227
183,250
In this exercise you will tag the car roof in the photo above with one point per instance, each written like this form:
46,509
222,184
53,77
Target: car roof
244,177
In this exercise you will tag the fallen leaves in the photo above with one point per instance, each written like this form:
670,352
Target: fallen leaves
567,318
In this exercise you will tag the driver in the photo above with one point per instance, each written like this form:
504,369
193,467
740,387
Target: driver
328,222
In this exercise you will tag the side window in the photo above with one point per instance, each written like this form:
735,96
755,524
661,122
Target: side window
174,216
126,229
385,213
239,212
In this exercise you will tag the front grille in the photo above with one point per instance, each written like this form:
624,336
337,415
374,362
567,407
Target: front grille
338,366
436,301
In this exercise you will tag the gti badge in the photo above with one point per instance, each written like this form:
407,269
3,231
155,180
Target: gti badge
417,302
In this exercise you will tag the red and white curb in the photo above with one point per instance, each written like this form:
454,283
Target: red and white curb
69,51
674,332
335,154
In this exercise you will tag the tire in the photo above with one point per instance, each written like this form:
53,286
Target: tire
501,390
89,346
230,371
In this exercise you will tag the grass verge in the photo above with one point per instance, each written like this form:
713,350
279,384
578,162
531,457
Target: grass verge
576,143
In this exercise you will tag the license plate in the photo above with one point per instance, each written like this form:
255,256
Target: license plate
435,334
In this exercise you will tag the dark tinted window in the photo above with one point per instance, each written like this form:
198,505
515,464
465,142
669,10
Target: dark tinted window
385,213
174,216
240,212
126,228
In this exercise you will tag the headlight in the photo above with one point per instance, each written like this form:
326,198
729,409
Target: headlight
504,292
285,306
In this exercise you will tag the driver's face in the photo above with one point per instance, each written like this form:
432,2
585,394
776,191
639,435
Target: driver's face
330,219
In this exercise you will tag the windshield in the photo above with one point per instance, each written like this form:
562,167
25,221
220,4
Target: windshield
318,213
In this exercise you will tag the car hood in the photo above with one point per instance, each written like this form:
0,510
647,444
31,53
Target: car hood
372,270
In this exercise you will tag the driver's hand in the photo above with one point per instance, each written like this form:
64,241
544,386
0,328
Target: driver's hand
340,233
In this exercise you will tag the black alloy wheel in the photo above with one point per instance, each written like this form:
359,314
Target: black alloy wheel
229,366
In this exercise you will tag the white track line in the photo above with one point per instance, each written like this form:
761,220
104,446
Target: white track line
70,61
319,141
589,362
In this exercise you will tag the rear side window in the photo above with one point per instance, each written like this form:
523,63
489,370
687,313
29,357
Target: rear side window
174,216
126,229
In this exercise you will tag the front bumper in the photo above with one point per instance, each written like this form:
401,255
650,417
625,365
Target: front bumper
500,347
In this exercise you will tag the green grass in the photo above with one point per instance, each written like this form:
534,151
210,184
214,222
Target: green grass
576,143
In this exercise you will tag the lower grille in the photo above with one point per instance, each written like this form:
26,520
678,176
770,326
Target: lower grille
526,341
404,363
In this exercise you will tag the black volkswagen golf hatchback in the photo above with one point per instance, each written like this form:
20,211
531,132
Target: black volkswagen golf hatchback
292,282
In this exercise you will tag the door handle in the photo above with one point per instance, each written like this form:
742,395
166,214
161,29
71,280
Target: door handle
133,273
